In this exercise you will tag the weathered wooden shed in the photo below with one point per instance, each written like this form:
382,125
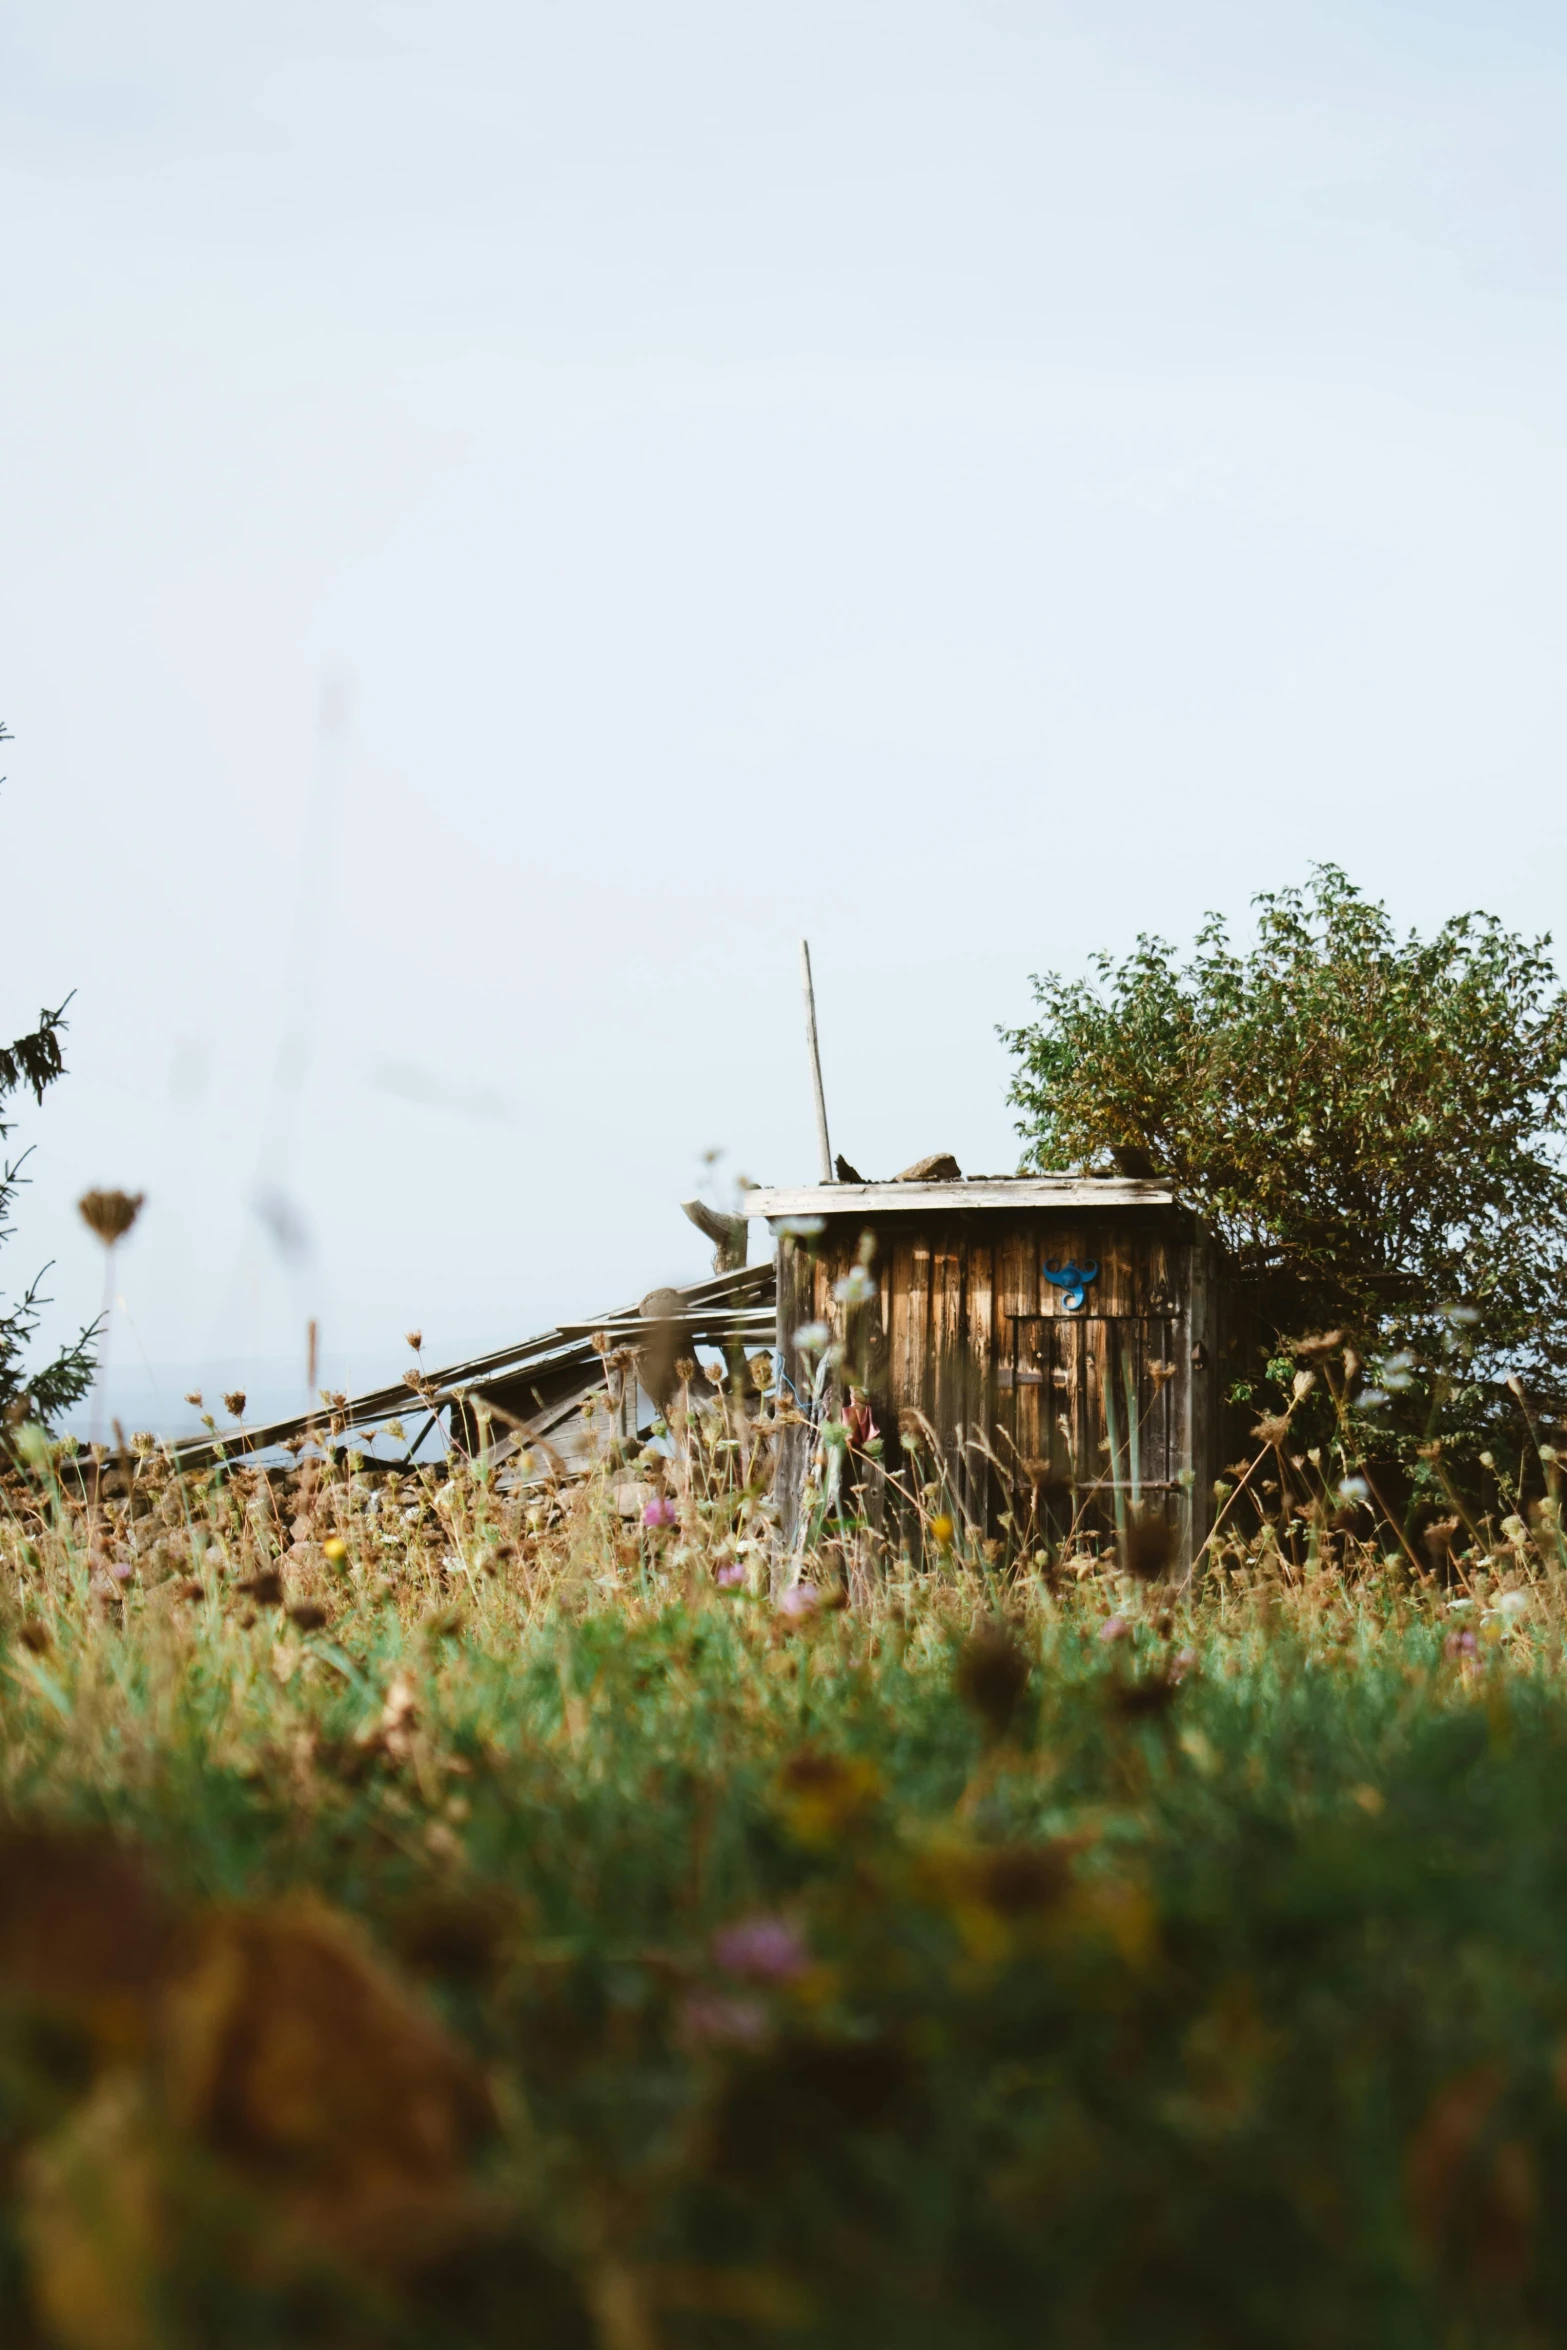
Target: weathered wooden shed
1042,1347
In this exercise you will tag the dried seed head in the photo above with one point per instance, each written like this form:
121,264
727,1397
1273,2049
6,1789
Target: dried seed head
414,1340
1148,1544
992,1673
194,1398
110,1214
1145,1700
1022,1880
234,1404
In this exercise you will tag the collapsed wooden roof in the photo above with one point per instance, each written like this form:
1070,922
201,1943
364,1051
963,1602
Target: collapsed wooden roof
533,1389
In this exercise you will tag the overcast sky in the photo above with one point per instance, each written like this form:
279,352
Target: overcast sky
513,513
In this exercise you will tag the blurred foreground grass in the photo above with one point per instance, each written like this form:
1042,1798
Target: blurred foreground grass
435,1918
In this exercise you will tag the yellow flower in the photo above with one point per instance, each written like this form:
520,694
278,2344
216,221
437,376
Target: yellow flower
942,1529
820,1795
334,1548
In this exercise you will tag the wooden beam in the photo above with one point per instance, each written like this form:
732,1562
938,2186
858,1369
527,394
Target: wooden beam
1093,1192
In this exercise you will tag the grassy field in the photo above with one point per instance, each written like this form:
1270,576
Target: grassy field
430,1917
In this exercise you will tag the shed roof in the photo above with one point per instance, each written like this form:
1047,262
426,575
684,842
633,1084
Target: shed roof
1091,1192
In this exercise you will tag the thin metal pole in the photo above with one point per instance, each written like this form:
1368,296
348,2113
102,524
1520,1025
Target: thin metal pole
822,1144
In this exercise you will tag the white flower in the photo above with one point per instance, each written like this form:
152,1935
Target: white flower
856,1286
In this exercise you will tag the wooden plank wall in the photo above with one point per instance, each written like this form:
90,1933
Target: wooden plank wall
1042,1416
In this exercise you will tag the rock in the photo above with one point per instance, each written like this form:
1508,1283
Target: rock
940,1167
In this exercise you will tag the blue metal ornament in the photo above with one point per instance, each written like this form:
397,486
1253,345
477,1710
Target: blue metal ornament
1073,1280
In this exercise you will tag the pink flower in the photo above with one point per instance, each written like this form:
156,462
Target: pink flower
801,1599
719,2019
660,1511
1114,1628
767,1948
730,1575
1461,1644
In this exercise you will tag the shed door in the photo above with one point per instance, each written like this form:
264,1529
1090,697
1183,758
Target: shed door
1107,1411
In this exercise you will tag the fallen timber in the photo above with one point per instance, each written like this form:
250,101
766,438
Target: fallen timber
534,1392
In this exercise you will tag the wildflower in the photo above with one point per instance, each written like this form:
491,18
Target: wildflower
1148,1544
1439,1537
1456,2201
859,1421
334,1548
857,1286
83,1930
234,1404
730,1575
991,1893
992,1674
766,1948
1137,1701
822,1795
414,1341
811,1337
660,1511
1325,1342
323,2081
265,1588
1114,1628
942,1530
721,2019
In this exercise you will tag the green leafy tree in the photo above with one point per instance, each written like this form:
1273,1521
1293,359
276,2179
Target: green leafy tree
32,1063
1371,1124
